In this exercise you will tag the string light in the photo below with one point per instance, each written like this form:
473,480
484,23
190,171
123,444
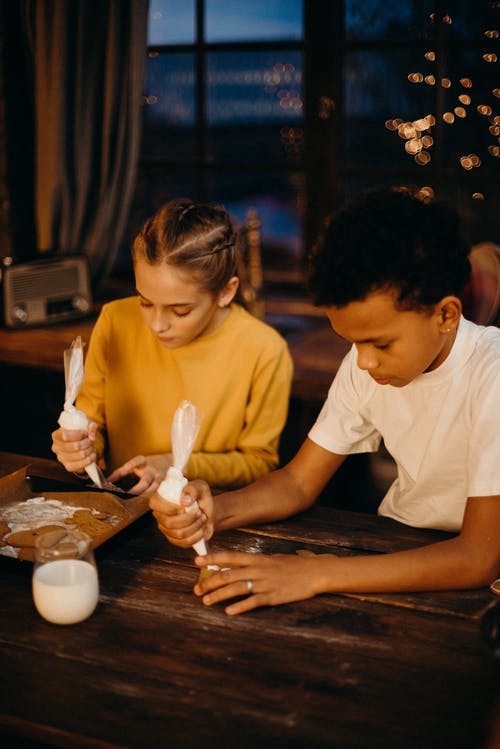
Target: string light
417,134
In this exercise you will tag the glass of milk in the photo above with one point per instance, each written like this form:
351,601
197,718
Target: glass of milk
65,581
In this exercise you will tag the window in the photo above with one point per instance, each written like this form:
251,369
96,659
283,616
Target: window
223,115
289,107
428,71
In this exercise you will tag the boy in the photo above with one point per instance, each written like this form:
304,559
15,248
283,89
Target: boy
389,271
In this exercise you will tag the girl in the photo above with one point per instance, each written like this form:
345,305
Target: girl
182,337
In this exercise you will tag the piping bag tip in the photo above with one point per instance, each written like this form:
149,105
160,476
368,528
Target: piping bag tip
71,417
94,474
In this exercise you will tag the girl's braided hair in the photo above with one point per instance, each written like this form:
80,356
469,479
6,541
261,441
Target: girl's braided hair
195,237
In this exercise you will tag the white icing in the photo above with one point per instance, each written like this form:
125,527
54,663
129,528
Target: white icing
171,487
72,418
32,513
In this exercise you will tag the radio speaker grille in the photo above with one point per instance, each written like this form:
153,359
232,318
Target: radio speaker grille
46,291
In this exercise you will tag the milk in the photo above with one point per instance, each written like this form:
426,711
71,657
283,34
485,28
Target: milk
65,591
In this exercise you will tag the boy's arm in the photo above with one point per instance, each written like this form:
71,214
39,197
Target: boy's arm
278,495
468,560
282,493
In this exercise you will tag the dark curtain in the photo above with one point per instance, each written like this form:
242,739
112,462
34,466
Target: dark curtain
88,67
17,207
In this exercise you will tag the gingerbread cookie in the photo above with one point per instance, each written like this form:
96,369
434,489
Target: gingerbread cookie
88,522
308,553
28,538
102,502
206,572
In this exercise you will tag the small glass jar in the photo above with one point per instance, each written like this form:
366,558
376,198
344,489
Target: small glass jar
65,580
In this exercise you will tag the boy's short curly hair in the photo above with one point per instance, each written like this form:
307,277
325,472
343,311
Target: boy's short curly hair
390,239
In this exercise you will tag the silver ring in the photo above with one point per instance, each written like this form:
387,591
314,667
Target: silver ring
249,586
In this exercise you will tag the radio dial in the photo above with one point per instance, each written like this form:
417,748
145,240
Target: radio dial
80,303
19,313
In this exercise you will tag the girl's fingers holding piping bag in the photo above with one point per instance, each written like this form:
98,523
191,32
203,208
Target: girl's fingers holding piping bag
92,430
73,463
69,435
73,454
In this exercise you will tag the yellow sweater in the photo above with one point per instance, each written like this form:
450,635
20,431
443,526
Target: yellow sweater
239,378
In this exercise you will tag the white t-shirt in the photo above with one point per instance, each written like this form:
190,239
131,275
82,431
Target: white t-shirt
442,429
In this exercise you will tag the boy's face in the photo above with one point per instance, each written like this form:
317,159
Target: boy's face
393,346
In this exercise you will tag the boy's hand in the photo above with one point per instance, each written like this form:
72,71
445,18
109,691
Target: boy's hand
180,524
265,580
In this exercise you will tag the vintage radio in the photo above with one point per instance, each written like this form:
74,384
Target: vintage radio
45,291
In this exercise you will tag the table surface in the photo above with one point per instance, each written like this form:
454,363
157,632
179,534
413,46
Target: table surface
153,667
42,347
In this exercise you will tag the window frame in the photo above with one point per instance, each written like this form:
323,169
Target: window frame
328,176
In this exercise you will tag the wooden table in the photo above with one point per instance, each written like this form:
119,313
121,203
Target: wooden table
42,347
154,668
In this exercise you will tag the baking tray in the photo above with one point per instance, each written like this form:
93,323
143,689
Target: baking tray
106,513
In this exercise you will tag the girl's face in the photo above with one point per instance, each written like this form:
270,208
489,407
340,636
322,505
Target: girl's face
175,309
396,346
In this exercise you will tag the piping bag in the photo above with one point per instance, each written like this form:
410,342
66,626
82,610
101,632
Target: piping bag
71,417
185,427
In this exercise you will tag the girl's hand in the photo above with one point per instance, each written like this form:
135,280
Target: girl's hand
265,580
180,524
74,448
150,471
